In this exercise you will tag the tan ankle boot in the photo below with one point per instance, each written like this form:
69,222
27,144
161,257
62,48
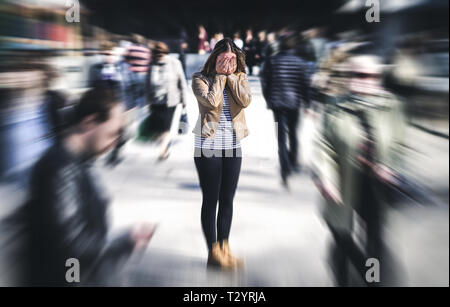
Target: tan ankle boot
216,258
232,260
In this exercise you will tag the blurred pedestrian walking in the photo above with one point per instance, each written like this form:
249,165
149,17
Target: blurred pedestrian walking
167,87
273,46
183,49
284,81
361,163
261,45
216,38
250,51
138,57
65,216
203,44
108,72
238,41
115,74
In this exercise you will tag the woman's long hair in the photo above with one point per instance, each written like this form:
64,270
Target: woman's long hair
224,45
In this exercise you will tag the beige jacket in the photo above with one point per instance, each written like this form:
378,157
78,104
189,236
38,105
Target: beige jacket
209,94
170,73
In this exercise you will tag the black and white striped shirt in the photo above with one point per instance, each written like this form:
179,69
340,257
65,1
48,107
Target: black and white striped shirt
224,138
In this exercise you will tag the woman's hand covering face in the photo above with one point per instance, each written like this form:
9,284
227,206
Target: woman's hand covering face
226,63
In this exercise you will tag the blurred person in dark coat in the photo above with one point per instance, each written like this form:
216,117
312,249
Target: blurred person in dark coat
66,212
261,45
184,48
250,51
284,81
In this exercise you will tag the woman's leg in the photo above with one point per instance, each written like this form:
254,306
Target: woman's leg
164,150
209,171
230,177
165,137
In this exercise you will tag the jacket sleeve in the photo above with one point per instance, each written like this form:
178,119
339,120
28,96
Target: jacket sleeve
240,89
209,96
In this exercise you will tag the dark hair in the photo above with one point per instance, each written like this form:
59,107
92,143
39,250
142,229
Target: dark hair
305,50
159,50
97,101
224,45
288,41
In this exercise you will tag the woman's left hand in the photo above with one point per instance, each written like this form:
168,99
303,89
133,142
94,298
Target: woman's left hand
226,63
230,65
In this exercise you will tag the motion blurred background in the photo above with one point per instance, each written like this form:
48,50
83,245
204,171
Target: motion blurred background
281,233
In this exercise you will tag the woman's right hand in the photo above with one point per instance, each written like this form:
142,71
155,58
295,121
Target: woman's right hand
221,68
226,65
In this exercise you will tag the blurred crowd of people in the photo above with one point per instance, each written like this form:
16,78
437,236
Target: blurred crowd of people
132,89
256,49
356,95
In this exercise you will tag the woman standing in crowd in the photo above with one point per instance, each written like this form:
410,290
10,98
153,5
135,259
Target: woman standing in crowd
223,91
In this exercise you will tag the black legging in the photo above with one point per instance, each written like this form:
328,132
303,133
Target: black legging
218,179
